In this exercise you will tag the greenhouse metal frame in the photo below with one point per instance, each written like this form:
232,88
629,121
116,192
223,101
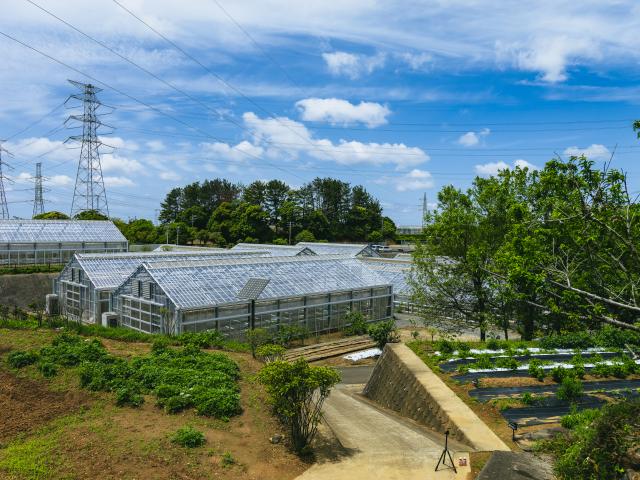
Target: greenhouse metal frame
348,249
50,242
86,282
276,250
311,292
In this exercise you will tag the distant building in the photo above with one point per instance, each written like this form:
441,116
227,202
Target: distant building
46,242
409,230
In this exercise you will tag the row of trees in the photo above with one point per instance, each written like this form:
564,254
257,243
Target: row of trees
222,212
552,250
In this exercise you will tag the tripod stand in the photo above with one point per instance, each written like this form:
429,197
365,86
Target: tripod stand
445,454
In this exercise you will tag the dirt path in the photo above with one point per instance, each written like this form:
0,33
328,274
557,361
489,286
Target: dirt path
381,445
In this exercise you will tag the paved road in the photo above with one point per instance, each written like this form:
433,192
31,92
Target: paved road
381,444
358,375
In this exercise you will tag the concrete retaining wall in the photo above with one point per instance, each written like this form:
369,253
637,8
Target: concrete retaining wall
402,382
24,289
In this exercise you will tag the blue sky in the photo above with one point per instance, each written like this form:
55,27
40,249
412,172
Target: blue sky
401,97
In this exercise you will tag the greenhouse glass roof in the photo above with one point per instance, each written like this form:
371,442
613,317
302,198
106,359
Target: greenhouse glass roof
349,249
197,284
108,271
59,231
276,250
395,272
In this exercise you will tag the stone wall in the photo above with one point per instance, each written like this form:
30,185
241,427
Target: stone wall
402,382
24,289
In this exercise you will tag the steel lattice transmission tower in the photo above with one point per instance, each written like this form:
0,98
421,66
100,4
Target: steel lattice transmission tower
4,207
38,201
89,192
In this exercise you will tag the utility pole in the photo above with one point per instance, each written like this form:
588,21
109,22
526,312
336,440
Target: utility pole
177,235
290,225
425,210
38,201
4,207
89,192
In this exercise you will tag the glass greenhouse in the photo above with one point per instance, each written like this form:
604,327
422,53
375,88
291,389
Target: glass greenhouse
396,272
275,250
348,249
312,292
86,282
45,242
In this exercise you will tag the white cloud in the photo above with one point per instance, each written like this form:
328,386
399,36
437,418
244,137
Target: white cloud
113,162
338,111
414,180
416,60
118,182
167,175
352,65
155,145
492,168
282,135
594,151
60,181
471,139
242,152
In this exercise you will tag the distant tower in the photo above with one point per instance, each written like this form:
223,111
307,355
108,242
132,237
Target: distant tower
38,201
425,210
4,207
89,192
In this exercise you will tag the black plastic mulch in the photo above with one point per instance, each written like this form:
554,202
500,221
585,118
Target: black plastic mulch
538,415
486,394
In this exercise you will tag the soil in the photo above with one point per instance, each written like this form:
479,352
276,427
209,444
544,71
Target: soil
25,404
84,435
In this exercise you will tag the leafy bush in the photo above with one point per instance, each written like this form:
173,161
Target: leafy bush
129,396
529,399
21,359
218,402
210,339
256,338
507,362
188,437
613,337
581,418
464,349
445,346
176,403
536,370
570,389
47,369
383,333
160,344
289,333
297,391
270,352
227,460
484,362
569,340
357,324
598,448
493,344
559,373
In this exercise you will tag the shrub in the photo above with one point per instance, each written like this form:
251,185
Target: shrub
445,346
47,369
297,391
21,359
570,389
613,337
601,370
160,344
357,324
256,338
129,396
227,460
559,373
464,349
536,370
493,344
270,352
176,403
507,362
218,402
577,419
568,340
383,333
188,437
484,362
289,333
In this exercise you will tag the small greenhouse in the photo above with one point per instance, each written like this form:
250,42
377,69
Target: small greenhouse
275,250
231,296
86,282
45,242
347,249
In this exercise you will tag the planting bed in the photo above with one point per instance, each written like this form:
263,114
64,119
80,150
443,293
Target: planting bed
608,386
549,413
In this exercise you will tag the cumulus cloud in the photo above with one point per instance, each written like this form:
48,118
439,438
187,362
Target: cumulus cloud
471,139
118,182
414,180
492,168
338,111
113,162
168,175
282,135
416,60
594,151
242,152
352,65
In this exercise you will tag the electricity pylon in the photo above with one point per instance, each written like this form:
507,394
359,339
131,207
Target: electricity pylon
4,207
38,201
89,192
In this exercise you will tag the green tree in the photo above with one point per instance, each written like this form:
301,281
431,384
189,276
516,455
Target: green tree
90,215
53,215
297,391
141,231
305,236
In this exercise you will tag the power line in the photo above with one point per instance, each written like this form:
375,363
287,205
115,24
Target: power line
131,97
33,124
